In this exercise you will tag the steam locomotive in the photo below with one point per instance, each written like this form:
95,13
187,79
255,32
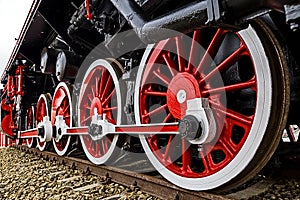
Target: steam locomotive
203,88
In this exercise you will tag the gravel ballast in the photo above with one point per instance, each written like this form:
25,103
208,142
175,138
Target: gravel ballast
26,176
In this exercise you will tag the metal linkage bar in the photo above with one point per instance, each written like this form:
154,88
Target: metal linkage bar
29,133
102,128
168,128
164,128
77,131
198,126
44,131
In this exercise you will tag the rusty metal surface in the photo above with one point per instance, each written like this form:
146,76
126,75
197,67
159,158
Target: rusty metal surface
149,184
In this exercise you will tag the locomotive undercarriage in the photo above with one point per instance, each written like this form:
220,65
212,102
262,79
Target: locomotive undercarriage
207,108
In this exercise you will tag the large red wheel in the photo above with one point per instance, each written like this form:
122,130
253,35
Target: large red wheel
62,106
30,124
100,94
244,77
42,110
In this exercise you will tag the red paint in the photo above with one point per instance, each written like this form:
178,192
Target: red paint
181,82
147,129
31,133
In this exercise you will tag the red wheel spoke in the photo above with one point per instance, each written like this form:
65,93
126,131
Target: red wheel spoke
168,118
180,53
97,86
226,137
103,81
93,91
226,63
90,143
43,111
206,162
107,143
84,105
239,117
194,52
66,108
170,63
97,148
233,115
107,99
156,111
104,144
155,93
186,155
227,149
167,151
230,88
211,50
107,87
83,122
90,97
153,140
163,78
110,109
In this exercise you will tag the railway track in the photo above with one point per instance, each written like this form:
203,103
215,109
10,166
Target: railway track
81,178
135,181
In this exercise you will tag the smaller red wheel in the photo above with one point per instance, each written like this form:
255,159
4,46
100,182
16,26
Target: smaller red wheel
30,124
100,93
61,106
42,110
5,118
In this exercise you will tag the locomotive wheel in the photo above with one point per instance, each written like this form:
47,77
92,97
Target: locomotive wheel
245,79
5,118
42,110
30,124
100,93
62,105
